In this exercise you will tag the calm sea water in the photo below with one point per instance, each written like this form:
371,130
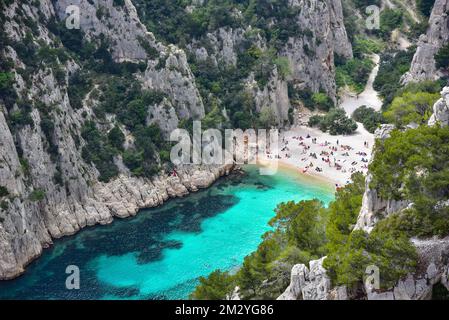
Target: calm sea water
161,253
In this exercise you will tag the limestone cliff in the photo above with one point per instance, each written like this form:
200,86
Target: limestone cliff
49,189
310,54
423,65
433,254
54,194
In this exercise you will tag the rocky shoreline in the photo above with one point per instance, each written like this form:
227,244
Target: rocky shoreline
121,198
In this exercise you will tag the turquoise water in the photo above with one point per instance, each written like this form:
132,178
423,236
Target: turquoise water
161,253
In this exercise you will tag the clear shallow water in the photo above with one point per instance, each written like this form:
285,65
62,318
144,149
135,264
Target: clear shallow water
161,253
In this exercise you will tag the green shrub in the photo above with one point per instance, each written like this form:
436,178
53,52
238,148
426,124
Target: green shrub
364,46
395,257
3,191
116,138
369,118
21,117
98,151
79,85
442,57
322,101
118,3
4,205
390,19
425,6
411,107
152,52
215,287
412,165
393,65
336,122
6,81
350,252
354,73
37,195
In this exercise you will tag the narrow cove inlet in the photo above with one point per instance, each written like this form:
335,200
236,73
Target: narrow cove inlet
161,253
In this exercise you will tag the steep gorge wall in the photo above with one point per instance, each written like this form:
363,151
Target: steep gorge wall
55,194
423,64
310,54
313,282
28,170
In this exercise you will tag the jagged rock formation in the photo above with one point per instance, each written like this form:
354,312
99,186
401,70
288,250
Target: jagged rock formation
312,284
423,66
26,167
50,198
373,207
441,110
27,228
310,54
128,36
316,70
433,268
433,254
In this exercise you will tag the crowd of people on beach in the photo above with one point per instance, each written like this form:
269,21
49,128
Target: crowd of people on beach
341,157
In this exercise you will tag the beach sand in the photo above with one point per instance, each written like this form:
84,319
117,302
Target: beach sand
296,154
300,159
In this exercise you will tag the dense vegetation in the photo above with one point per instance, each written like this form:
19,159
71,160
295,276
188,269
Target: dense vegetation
413,165
425,6
413,104
354,73
305,231
442,57
335,121
298,236
394,64
390,19
370,118
110,83
222,85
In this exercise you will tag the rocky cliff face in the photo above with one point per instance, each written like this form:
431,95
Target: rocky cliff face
310,54
375,208
50,198
433,254
314,284
423,65
49,190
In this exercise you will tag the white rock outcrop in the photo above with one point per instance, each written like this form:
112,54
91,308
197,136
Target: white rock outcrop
433,268
312,284
441,110
423,65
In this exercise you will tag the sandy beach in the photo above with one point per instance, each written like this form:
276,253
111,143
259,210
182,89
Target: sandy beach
320,155
333,158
